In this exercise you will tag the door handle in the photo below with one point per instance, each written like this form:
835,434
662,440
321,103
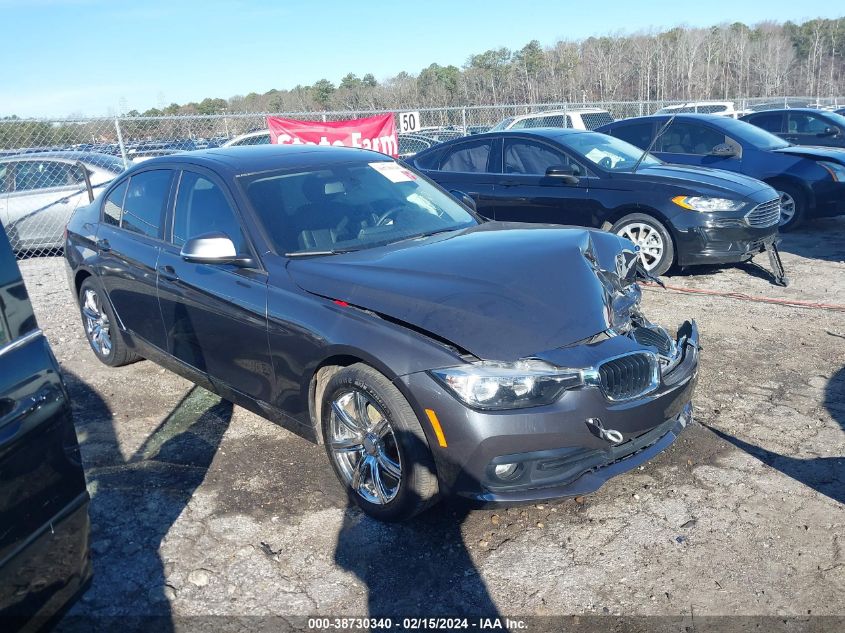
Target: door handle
168,272
104,245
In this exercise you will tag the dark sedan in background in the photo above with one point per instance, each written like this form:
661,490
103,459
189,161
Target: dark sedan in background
802,126
44,555
809,180
353,301
674,214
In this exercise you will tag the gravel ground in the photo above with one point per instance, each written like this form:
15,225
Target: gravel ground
202,508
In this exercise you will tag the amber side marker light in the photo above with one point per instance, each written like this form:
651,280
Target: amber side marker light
438,430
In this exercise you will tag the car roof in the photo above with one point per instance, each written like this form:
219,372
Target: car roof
782,110
246,159
534,115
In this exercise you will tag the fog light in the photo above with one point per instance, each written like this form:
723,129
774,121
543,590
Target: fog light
506,471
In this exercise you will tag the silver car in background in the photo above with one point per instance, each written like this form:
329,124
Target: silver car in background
40,191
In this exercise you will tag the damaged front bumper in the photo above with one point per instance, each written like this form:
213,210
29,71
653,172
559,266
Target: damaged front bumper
570,447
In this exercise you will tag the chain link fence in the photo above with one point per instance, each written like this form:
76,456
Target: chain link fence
46,166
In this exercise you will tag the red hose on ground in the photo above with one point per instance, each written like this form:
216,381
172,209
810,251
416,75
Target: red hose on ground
794,303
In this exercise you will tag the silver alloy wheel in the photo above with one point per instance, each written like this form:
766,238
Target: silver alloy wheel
364,447
787,208
648,239
97,324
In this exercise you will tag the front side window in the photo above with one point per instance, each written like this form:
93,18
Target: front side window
686,137
34,174
113,206
529,157
202,207
804,123
352,206
146,197
468,157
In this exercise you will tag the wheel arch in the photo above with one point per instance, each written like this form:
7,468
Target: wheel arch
801,185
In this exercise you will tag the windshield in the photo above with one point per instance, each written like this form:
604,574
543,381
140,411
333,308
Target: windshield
502,125
751,134
351,206
608,152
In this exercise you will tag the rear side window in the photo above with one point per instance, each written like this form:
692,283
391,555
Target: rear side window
202,207
113,206
771,122
592,120
4,172
143,207
35,174
468,157
637,134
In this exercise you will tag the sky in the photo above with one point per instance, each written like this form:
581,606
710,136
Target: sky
99,57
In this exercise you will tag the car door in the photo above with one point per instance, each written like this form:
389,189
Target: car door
467,166
687,142
805,128
215,315
43,195
44,555
523,193
129,241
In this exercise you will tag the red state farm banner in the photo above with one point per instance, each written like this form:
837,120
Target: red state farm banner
376,133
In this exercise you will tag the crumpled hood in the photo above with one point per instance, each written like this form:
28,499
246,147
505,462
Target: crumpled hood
501,291
833,154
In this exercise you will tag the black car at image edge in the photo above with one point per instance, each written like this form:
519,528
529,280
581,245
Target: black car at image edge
674,214
809,180
44,528
356,303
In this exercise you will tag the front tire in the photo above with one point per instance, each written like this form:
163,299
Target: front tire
657,250
793,207
101,327
376,445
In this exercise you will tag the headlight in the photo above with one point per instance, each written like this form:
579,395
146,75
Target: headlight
494,385
836,170
707,204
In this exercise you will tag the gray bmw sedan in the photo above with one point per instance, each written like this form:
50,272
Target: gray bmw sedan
354,302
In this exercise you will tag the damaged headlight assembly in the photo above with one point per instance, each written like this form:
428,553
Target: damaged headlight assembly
496,386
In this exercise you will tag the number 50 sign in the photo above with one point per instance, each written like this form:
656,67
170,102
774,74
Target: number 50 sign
409,122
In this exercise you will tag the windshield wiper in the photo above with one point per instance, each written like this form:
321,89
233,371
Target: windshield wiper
422,235
317,253
653,141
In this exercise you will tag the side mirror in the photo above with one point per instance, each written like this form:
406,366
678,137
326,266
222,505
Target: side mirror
566,173
466,199
214,248
829,131
723,150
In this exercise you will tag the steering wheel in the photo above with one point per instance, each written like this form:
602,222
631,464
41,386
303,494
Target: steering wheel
388,215
606,163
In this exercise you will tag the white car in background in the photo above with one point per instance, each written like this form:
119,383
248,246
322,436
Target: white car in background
261,137
720,108
576,118
40,191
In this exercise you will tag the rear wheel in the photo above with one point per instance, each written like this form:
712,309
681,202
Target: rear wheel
101,326
657,251
376,445
793,207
